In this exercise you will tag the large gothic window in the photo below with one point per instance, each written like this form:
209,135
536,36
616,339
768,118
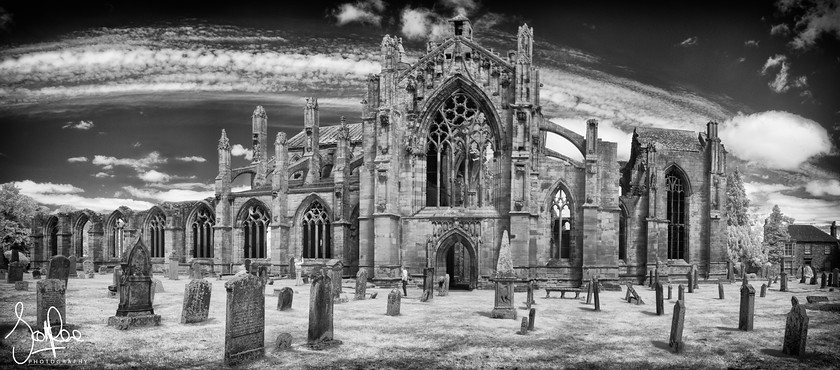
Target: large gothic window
317,241
202,233
561,225
52,233
117,236
255,230
676,212
156,231
459,155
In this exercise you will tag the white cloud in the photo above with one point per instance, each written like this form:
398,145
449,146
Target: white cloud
30,187
69,195
779,29
819,18
360,11
691,41
775,139
77,159
154,176
422,23
237,150
823,187
102,175
751,43
782,82
172,195
192,159
81,125
462,7
150,160
136,144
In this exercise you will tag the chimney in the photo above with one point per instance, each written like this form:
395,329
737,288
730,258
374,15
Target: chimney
834,229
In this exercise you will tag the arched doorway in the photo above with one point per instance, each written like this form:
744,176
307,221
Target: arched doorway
456,256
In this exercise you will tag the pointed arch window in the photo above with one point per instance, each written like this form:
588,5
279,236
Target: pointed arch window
117,236
460,152
676,212
622,234
52,231
317,233
255,230
202,233
561,225
157,242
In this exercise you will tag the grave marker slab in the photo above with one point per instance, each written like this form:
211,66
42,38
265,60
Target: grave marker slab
173,268
720,291
196,301
503,279
589,292
691,282
660,299
523,328
50,302
677,323
135,291
284,341
532,314
59,268
361,284
394,299
71,271
320,333
103,270
783,281
285,298
529,299
695,273
650,278
823,280
596,290
428,284
836,274
87,266
796,330
681,293
633,295
816,298
747,308
763,290
670,292
22,285
245,322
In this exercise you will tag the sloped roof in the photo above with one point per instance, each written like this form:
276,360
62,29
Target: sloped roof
328,135
809,233
682,140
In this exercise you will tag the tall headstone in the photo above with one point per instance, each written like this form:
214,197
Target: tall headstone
117,277
596,292
677,323
444,288
361,284
88,268
589,292
745,317
836,273
830,279
763,290
285,298
320,334
670,291
196,306
650,278
730,271
530,296
50,302
656,273
334,273
59,268
783,281
428,284
71,271
720,291
681,293
15,273
823,280
504,282
796,330
292,271
814,279
802,275
523,327
696,275
691,282
394,299
532,314
135,291
245,321
173,266
660,299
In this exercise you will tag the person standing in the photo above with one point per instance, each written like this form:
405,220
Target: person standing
404,281
299,271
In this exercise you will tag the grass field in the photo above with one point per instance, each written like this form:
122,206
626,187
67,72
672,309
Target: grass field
449,332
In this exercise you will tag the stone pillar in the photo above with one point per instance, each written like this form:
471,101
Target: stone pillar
660,299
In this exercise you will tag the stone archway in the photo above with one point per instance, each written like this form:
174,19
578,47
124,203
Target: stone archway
456,256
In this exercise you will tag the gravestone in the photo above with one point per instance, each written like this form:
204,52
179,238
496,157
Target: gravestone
677,323
783,281
802,274
589,292
836,274
691,282
633,295
720,291
15,273
814,279
680,293
746,313
428,284
245,321
50,302
22,285
830,279
523,328
650,279
444,287
196,301
670,292
320,333
335,278
503,279
71,271
247,265
763,290
529,300
796,330
117,277
660,299
135,291
394,299
59,268
695,274
532,314
361,284
103,270
285,298
292,271
173,266
823,280
816,298
196,270
596,290
284,341
656,273
87,265
730,271
36,274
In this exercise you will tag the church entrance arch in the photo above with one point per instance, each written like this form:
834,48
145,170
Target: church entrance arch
455,255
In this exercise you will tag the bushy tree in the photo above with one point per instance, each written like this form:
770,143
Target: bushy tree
16,212
737,203
744,239
776,234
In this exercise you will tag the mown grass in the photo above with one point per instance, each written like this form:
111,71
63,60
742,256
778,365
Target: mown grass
450,332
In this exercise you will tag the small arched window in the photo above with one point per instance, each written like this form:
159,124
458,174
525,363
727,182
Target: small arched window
317,241
675,190
202,233
255,230
156,235
561,225
117,236
52,232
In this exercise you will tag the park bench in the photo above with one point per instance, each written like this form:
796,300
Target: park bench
555,287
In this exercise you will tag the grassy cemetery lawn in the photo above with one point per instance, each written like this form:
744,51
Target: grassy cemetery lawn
455,331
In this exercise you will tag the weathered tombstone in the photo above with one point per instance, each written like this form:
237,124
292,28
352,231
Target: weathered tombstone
745,317
71,271
320,333
814,279
680,293
428,284
691,282
444,289
720,291
656,273
15,273
660,299
103,270
816,298
87,265
836,273
523,328
285,298
763,290
677,324
670,291
292,271
696,274
783,281
823,280
135,291
173,266
532,314
373,295
50,296
117,277
196,270
284,341
529,299
596,290
196,301
650,278
394,299
589,292
802,275
335,277
796,330
361,284
504,282
245,322
830,279
59,269
730,271
22,285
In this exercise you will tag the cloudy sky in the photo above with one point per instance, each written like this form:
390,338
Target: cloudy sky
122,103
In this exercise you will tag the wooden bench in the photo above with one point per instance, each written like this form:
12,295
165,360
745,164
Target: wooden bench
562,290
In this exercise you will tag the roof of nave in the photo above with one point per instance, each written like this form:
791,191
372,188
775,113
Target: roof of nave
663,138
328,135
809,233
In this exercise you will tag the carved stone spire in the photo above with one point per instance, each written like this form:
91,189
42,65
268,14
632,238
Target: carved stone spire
224,143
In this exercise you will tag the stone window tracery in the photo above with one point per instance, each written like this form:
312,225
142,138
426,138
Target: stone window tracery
255,229
117,237
156,235
676,212
202,233
317,242
561,225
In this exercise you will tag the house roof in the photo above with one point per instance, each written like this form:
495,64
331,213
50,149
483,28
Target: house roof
664,138
809,233
328,135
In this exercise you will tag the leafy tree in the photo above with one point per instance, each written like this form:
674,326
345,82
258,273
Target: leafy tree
737,203
744,239
776,234
16,212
